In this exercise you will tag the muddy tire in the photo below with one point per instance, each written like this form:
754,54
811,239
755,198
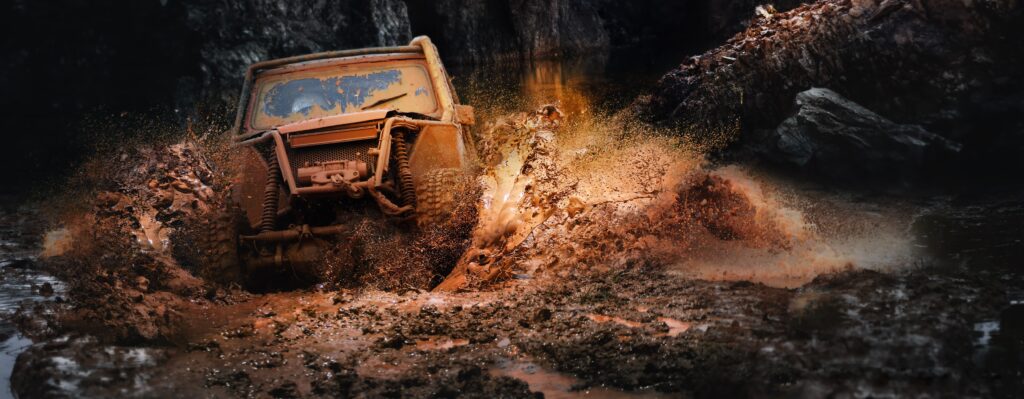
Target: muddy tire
435,196
216,247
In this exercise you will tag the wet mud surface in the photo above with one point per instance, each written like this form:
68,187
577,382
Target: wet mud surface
603,262
847,333
938,328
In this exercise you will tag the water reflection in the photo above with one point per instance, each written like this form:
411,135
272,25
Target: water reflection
19,283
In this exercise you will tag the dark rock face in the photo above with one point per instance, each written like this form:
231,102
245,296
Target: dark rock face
952,67
176,48
833,137
468,30
914,60
482,31
549,28
238,33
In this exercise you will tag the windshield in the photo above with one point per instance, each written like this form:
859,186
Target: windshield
340,89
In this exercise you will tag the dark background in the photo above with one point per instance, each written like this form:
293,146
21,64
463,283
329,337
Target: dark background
73,70
77,73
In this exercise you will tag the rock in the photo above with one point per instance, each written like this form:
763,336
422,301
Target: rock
542,315
46,289
287,389
21,263
182,186
238,33
108,199
947,66
391,341
836,138
164,199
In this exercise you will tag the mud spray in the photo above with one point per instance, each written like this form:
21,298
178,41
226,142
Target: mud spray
567,190
561,190
564,194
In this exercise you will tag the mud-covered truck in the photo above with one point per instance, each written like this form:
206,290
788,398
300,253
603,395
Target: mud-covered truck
313,132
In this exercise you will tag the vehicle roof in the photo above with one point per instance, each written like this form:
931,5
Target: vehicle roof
419,45
269,64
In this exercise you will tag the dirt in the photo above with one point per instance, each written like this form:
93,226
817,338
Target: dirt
843,334
603,262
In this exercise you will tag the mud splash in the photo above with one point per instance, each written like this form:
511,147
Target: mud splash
819,235
560,192
562,195
598,295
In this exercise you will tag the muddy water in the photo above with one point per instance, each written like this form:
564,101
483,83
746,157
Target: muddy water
985,235
556,385
20,284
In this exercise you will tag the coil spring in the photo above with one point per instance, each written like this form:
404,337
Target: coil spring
405,182
268,219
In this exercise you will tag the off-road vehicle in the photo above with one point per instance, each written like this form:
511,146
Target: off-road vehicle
376,125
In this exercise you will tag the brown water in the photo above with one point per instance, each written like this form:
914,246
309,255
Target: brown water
20,284
556,385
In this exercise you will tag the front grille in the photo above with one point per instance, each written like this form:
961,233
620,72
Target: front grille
352,151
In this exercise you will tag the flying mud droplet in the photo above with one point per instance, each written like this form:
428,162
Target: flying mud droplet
56,242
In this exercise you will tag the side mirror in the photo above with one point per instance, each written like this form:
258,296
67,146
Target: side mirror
464,115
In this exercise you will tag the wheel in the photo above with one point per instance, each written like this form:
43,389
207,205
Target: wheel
211,248
221,249
435,195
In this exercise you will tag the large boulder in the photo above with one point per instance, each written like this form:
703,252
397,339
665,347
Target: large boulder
833,137
923,61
